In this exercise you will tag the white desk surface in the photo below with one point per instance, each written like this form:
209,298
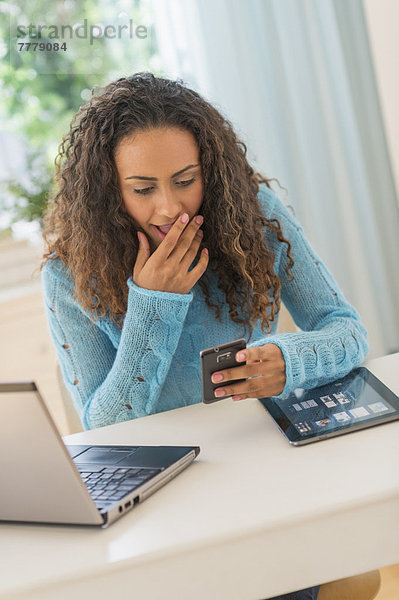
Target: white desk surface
251,518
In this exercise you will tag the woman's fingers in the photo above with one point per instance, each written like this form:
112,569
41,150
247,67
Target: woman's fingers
168,244
196,273
234,373
188,241
143,253
188,258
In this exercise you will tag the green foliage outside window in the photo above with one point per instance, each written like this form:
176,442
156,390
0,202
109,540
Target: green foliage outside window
41,91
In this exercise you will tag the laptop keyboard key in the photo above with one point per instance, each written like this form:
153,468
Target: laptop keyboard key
150,471
90,468
132,471
116,498
127,488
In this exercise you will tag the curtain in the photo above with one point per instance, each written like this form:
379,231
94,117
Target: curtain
296,80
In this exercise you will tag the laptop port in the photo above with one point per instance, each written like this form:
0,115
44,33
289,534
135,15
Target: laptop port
128,504
120,509
136,500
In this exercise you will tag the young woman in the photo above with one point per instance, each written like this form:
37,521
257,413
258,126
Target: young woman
163,241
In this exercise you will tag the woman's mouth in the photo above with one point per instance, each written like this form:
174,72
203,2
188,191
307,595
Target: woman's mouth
163,229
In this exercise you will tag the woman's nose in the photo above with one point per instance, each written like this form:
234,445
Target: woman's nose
168,205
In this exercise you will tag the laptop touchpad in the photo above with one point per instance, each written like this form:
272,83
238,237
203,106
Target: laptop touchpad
103,456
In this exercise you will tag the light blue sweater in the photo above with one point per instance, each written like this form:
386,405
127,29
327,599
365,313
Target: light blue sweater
152,364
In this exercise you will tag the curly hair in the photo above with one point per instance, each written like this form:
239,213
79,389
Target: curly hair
87,226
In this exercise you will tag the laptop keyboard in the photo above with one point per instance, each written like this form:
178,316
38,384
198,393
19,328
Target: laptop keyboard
107,485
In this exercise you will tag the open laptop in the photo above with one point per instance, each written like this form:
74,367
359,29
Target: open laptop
45,481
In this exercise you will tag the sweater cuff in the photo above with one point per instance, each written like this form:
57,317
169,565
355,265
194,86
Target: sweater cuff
163,296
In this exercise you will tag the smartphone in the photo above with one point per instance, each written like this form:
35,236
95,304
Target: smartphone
215,359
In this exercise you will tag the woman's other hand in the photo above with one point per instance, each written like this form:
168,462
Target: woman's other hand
167,268
265,367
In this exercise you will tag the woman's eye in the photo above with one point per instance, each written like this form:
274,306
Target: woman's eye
144,190
186,182
182,183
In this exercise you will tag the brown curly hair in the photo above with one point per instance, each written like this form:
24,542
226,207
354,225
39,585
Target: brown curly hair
87,226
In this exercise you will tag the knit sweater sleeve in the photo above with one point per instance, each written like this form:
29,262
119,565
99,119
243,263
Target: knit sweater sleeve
110,381
332,340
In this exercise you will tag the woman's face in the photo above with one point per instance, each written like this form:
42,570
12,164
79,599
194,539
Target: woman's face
160,178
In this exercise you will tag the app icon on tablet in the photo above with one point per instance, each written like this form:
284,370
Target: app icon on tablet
378,407
342,399
323,422
341,417
303,427
328,401
308,404
359,412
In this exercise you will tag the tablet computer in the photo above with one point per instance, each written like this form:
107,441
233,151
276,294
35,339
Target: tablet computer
353,402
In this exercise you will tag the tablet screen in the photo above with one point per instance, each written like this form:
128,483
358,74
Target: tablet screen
355,401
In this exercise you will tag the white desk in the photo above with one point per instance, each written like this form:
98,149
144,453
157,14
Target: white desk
252,517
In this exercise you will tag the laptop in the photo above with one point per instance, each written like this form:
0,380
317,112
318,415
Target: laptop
45,481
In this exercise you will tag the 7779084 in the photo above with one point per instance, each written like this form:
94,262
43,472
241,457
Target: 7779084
41,46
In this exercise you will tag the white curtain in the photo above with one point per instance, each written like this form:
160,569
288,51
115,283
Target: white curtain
296,79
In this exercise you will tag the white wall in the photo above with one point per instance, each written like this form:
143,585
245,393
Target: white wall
382,22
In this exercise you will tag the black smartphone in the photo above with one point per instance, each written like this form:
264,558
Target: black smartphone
215,359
